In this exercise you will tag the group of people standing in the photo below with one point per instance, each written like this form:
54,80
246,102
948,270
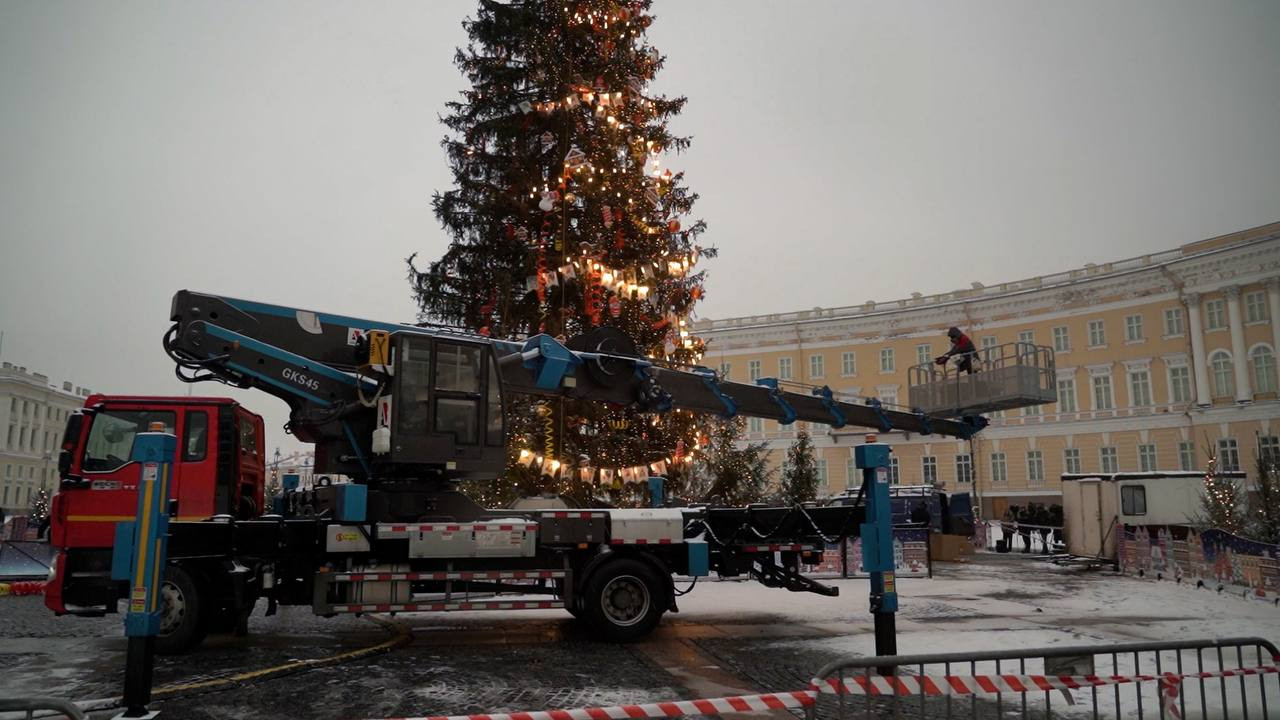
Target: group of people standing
1022,521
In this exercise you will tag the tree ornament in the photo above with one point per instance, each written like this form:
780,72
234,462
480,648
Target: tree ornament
548,202
606,215
615,306
521,235
548,141
673,225
575,158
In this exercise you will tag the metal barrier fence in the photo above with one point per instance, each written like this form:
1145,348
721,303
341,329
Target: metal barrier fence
30,706
1224,678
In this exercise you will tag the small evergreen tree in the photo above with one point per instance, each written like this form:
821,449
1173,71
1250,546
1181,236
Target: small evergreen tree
38,510
731,471
800,476
1265,504
1221,501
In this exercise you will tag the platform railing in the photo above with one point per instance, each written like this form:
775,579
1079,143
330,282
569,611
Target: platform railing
1004,377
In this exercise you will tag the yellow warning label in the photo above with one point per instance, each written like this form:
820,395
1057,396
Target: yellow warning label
379,347
137,606
888,582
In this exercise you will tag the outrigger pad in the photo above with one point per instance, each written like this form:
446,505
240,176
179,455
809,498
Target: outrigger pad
769,574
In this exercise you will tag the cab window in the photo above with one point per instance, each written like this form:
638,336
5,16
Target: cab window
195,436
110,442
458,382
248,438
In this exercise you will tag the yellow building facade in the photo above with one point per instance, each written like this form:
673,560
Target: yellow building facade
1161,360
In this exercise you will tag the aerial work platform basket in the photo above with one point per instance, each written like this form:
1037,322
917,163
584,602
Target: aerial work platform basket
1006,376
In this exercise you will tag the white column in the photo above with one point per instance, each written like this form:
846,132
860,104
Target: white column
1244,388
1198,370
1273,297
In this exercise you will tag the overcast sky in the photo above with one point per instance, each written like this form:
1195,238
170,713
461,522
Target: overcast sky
845,151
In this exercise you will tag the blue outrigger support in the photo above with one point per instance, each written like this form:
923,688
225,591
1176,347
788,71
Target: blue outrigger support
877,542
139,557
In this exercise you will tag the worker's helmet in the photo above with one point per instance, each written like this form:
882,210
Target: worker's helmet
954,332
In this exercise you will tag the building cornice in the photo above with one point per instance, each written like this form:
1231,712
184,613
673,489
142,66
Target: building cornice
1152,277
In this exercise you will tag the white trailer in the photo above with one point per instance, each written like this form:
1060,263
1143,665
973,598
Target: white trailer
1093,504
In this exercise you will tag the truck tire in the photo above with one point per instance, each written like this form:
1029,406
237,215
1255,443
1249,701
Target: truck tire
623,600
182,622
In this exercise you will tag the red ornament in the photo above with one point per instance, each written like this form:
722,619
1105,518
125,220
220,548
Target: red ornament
615,306
673,225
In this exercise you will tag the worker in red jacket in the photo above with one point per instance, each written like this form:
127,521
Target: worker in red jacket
962,348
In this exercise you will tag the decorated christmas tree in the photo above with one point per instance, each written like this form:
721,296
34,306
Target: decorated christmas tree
730,471
38,509
800,474
1221,501
563,219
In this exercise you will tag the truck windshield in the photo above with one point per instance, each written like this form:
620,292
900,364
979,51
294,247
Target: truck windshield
110,440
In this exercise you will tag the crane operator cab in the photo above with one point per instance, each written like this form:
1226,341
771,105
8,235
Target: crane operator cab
444,407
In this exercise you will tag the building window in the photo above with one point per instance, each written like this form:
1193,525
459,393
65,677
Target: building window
1173,322
850,472
1215,316
5,501
999,472
848,364
924,354
1269,449
1180,384
894,478
888,395
1102,392
1097,334
1035,467
1255,307
1186,455
964,469
12,428
1263,362
886,360
1228,455
1061,340
784,368
1066,395
988,342
1109,460
1147,458
1027,336
755,425
1139,388
817,366
1224,382
1071,460
1031,410
1133,328
753,370
929,469
1133,500
822,475
724,370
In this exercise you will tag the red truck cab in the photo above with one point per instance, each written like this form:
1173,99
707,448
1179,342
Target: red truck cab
219,470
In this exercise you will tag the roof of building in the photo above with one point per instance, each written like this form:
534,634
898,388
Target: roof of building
979,291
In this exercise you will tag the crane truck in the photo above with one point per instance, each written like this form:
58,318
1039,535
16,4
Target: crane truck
405,412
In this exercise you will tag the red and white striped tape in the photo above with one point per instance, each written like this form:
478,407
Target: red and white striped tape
876,685
676,708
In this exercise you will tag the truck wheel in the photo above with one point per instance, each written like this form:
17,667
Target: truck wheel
182,625
623,600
